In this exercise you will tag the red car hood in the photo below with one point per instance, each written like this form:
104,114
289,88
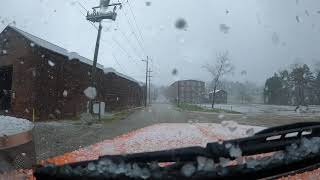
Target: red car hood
165,136
159,137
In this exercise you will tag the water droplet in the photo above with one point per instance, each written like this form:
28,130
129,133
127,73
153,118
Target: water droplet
91,166
224,28
51,63
148,3
181,23
188,170
65,93
221,116
91,93
250,132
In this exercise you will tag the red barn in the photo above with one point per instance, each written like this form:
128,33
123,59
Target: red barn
38,76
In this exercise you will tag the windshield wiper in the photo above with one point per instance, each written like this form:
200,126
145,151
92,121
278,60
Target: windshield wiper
266,141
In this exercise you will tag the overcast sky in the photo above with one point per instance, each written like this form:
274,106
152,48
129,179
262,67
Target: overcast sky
264,36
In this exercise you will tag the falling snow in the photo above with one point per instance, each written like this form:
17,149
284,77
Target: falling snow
65,93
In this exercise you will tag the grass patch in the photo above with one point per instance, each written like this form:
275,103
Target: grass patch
192,107
119,115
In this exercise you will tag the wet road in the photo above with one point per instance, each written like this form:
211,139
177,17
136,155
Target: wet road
54,138
166,113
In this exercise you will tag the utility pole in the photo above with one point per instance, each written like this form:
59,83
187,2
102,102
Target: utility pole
149,76
146,87
178,93
98,14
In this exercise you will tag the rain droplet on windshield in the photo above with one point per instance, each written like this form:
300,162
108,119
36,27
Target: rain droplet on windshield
307,12
90,92
298,19
250,131
174,72
188,170
244,72
181,24
224,28
91,166
221,116
148,3
275,38
235,152
51,63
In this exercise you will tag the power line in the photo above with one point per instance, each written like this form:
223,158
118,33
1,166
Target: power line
114,40
135,21
116,60
129,56
129,42
132,30
82,6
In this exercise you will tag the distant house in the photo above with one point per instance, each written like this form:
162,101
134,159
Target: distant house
187,91
221,97
42,79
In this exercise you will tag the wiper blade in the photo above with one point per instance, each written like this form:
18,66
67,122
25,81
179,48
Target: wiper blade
266,141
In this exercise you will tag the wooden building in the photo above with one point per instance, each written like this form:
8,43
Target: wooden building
39,77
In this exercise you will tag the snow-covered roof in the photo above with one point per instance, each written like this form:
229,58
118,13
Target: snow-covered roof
50,46
111,70
74,55
216,91
70,55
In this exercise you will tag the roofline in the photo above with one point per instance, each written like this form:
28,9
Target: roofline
186,80
67,54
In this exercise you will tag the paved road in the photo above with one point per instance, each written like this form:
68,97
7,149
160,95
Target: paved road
54,138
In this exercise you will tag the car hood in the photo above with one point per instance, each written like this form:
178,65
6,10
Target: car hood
159,137
165,136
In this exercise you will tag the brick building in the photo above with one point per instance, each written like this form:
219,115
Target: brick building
36,75
188,91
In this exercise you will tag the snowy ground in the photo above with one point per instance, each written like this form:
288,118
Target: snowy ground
263,109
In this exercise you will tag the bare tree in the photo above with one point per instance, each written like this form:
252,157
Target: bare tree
218,69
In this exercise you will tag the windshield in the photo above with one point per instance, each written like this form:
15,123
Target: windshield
83,79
